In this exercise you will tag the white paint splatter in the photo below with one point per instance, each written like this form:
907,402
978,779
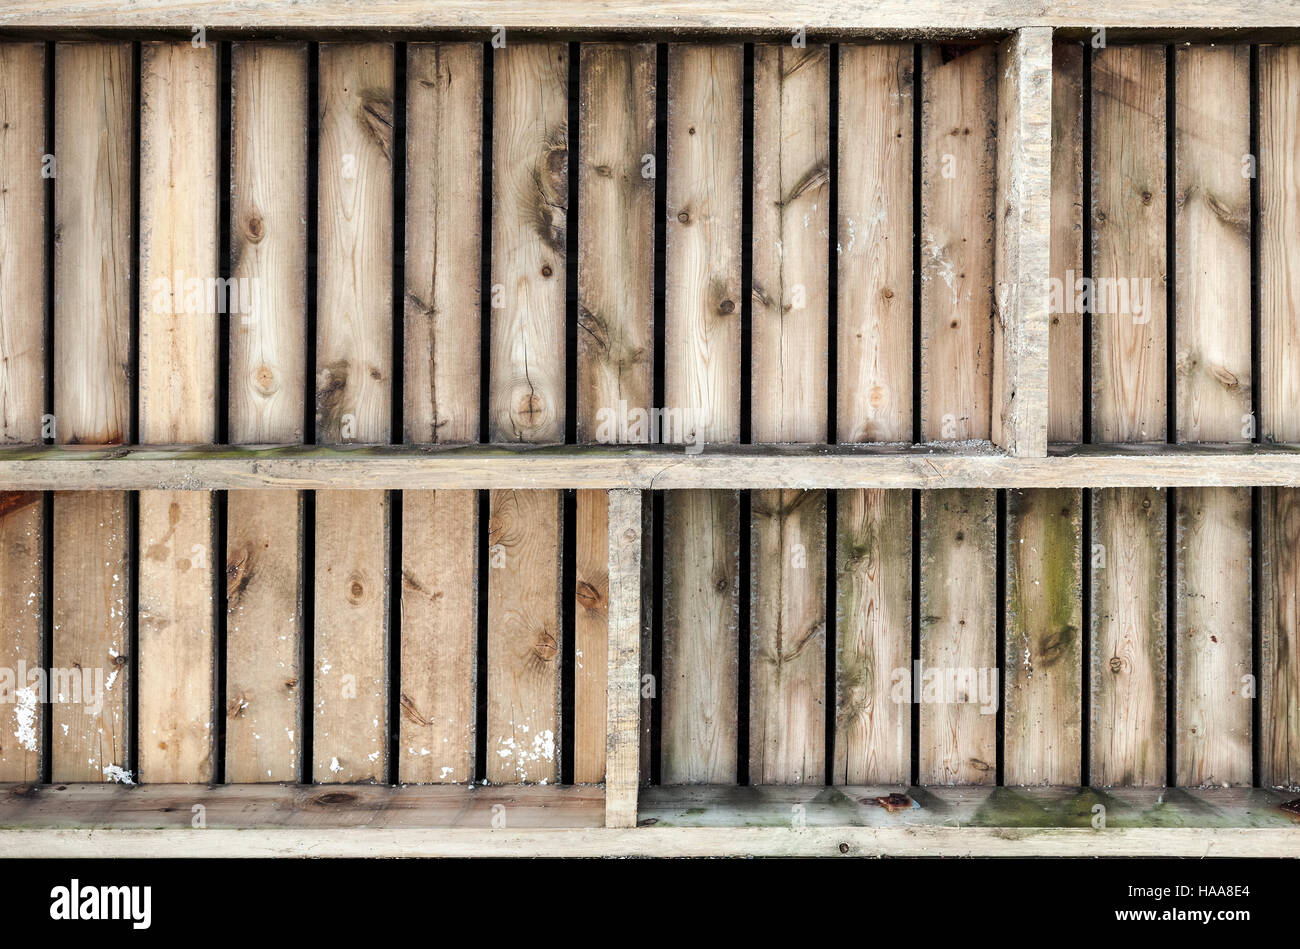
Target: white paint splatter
25,714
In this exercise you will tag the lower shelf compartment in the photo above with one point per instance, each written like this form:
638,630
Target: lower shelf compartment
85,820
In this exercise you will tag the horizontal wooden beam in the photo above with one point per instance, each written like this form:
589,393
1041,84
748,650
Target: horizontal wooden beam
757,16
458,821
660,467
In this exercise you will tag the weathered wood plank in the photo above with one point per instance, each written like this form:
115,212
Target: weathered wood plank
958,151
957,683
790,286
616,208
22,400
1279,275
441,405
1023,242
1044,638
178,360
702,383
354,353
264,714
1127,730
873,730
530,155
1128,405
1065,344
623,761
874,318
888,16
1213,360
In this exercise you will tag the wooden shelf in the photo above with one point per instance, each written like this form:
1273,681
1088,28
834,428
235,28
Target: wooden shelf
742,467
95,820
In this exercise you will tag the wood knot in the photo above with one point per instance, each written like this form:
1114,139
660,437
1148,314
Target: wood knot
684,217
587,595
264,379
546,270
334,798
356,589
726,307
254,229
1116,665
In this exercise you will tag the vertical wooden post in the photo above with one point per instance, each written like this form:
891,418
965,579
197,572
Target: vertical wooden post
623,678
1023,242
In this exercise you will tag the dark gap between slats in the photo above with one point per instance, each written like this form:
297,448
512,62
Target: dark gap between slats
485,364
220,499
655,659
45,763
1171,432
915,708
395,433
1256,371
744,617
1001,539
307,577
569,522
832,399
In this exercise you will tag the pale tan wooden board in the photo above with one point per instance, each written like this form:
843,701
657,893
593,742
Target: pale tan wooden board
441,405
616,231
22,398
354,354
178,361
702,382
625,546
1279,223
789,299
268,233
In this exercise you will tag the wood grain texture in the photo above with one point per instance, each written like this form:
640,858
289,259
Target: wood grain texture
1128,244
874,321
958,164
1044,638
92,393
1212,701
702,383
524,638
888,16
354,353
1128,645
178,361
622,779
1022,242
264,714
1279,275
616,233
22,400
444,141
591,633
530,156
957,692
529,218
440,395
873,633
350,691
701,637
789,300
1044,627
874,244
1065,336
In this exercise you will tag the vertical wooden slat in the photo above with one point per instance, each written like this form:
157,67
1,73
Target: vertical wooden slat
354,352
616,231
526,401
791,210
92,393
441,405
873,742
1213,593
1023,249
268,236
958,734
624,660
178,360
1279,543
1128,405
1044,626
702,384
22,399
